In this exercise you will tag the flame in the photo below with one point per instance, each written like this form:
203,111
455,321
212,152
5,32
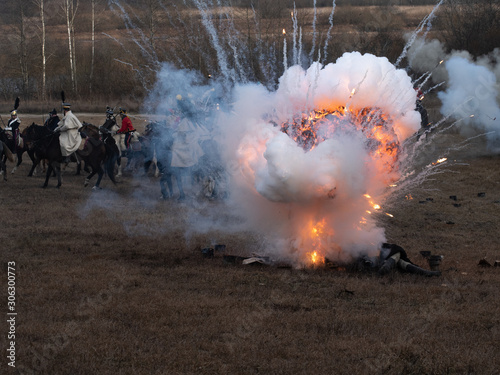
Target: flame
309,129
439,161
284,31
374,205
315,238
318,237
316,258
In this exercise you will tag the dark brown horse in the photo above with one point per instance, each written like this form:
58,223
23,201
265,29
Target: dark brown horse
5,153
45,145
93,136
19,150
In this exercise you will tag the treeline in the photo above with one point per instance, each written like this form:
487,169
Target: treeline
105,51
329,3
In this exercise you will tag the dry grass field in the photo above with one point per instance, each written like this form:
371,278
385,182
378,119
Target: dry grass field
114,282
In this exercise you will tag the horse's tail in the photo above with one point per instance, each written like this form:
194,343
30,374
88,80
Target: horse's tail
110,169
8,153
111,157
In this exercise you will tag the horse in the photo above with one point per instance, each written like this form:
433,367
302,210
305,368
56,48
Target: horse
31,154
133,153
19,150
5,153
97,150
148,150
110,127
45,145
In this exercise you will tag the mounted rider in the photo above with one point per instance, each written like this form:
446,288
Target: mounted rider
186,148
13,126
52,120
127,127
70,137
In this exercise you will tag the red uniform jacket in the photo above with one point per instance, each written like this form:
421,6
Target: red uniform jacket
126,125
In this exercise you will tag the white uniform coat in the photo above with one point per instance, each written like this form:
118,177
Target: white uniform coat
70,137
186,149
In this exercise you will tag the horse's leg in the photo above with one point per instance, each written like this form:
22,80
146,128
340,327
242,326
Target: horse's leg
35,164
129,160
47,175
157,169
100,173
30,174
147,164
57,168
3,168
79,168
78,164
87,180
19,160
119,164
166,178
31,154
178,178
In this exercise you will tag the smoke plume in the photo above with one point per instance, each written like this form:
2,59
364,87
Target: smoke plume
317,199
472,87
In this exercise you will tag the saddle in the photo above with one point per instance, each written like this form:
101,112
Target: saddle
8,135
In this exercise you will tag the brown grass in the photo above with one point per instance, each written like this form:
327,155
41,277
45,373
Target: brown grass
109,283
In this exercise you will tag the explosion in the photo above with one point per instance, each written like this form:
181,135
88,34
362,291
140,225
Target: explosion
315,157
310,129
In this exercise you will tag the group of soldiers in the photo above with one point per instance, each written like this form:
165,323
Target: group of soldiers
68,127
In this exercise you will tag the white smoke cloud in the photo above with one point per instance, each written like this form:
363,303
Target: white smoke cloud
287,193
472,92
472,86
189,84
424,56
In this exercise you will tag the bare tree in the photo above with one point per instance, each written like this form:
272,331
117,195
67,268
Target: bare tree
40,5
153,8
22,48
70,9
92,60
472,25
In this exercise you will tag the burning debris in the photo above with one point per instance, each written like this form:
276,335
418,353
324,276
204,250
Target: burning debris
310,129
484,263
389,258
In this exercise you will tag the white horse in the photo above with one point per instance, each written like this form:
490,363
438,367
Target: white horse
135,149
